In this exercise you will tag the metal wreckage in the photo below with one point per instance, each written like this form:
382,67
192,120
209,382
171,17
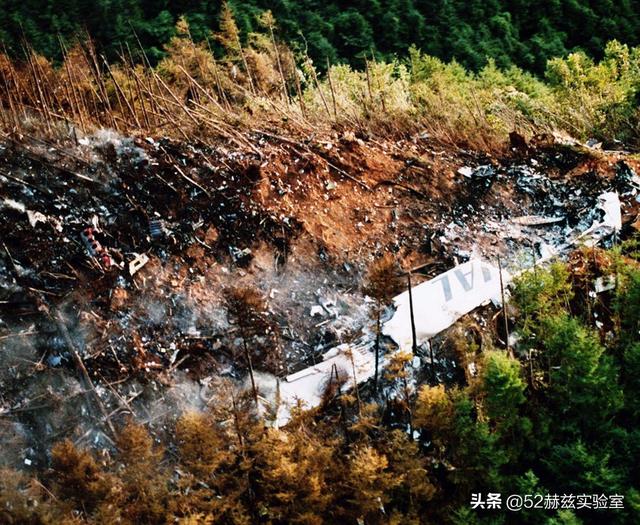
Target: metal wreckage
438,303
115,253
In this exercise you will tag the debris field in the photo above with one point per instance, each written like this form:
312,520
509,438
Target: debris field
115,254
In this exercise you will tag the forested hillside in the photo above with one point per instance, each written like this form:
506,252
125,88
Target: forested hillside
525,33
301,262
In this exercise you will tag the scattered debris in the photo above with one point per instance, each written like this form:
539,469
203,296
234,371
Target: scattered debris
198,219
535,220
316,310
604,284
240,256
481,172
466,171
421,314
94,247
138,263
35,217
156,229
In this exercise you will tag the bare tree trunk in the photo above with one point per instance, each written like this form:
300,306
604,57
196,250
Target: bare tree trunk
246,68
236,422
333,94
504,311
377,348
285,91
433,363
408,406
247,356
312,70
414,339
355,382
303,109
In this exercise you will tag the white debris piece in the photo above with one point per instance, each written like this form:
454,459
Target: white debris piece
440,302
308,385
535,220
465,171
35,217
316,309
14,205
604,283
547,252
138,263
609,203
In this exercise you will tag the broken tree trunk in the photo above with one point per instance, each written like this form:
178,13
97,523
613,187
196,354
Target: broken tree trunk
377,348
247,356
504,310
414,339
62,328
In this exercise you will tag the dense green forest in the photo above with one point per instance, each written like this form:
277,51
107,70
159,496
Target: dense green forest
524,33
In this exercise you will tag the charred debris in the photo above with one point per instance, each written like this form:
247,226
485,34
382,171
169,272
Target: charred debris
118,257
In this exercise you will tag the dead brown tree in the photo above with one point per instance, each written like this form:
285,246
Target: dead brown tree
247,310
381,284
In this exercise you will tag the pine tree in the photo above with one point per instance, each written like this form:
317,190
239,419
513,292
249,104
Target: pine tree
212,482
502,393
434,413
369,483
143,495
502,387
293,468
582,378
229,35
78,478
411,468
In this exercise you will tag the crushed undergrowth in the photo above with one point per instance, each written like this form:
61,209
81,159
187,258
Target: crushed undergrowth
118,251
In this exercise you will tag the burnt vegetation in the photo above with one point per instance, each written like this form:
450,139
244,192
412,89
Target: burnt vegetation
184,230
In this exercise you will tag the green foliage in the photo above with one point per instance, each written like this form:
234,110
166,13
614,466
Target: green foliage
583,378
473,448
583,97
605,92
470,92
632,379
503,386
434,412
540,295
628,305
511,33
581,470
503,389
564,517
